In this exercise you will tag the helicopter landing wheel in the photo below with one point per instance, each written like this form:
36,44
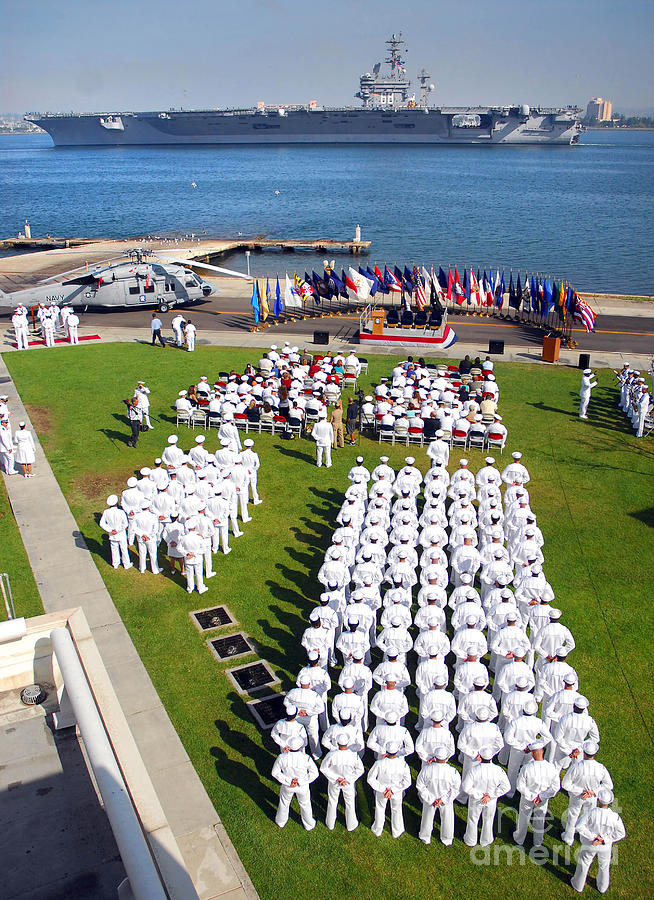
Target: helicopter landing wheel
163,307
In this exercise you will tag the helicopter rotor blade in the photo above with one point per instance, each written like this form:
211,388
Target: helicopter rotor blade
192,264
92,267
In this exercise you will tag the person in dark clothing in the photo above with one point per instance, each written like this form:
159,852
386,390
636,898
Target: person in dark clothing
465,365
351,418
135,418
431,427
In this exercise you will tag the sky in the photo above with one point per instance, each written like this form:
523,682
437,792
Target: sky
142,54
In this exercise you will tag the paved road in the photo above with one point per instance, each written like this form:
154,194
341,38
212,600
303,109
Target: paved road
615,333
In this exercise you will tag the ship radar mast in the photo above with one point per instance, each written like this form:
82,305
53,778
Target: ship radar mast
389,89
426,87
394,60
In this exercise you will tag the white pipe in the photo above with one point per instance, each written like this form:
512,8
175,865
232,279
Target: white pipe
143,876
12,630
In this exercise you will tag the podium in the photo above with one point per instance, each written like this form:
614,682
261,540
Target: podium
378,319
551,349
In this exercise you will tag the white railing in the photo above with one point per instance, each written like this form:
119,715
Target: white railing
5,588
144,878
365,318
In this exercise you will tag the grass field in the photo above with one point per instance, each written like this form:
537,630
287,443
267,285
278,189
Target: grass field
592,491
14,561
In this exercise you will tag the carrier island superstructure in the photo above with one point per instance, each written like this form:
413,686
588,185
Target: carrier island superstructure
389,114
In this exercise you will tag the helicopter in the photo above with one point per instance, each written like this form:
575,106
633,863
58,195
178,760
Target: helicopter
163,282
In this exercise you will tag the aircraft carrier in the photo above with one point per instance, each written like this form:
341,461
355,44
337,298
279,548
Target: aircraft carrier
389,113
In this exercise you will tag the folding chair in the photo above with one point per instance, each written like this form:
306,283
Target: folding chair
459,438
198,417
416,435
477,439
386,433
295,425
497,440
241,421
401,434
183,417
279,423
364,364
213,420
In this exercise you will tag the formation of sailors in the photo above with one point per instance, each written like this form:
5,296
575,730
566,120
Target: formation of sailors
482,645
185,504
52,319
635,399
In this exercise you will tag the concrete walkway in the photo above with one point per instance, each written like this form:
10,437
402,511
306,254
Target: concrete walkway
263,339
67,576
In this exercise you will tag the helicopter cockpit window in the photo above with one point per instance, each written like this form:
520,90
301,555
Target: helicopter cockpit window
190,282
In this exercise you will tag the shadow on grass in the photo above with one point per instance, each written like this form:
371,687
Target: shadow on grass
296,454
112,435
285,651
321,536
330,495
252,779
305,583
645,515
609,422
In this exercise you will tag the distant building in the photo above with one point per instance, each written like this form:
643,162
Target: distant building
599,110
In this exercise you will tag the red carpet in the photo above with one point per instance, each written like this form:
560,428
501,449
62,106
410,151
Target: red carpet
41,343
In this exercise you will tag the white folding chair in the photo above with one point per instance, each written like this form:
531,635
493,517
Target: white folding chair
198,417
401,434
459,438
497,442
416,436
183,417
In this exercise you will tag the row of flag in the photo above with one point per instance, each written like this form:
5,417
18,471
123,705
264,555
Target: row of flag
534,295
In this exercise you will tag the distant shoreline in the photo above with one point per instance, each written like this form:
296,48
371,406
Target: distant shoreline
619,128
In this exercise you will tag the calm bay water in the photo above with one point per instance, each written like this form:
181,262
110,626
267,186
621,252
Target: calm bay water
583,214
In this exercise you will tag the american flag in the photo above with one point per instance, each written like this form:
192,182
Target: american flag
421,297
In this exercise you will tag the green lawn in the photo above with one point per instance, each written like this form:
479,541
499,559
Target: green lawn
14,561
592,491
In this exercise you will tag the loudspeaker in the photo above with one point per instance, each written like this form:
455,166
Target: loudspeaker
496,347
584,360
321,337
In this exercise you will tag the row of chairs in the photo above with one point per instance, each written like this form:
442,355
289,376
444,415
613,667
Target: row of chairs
203,419
401,434
406,318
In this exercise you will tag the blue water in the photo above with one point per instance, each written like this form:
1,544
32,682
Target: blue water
583,214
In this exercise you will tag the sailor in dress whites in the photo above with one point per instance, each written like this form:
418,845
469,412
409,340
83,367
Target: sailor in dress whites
7,450
598,829
389,778
114,522
19,322
295,771
25,449
438,785
484,785
538,782
342,768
